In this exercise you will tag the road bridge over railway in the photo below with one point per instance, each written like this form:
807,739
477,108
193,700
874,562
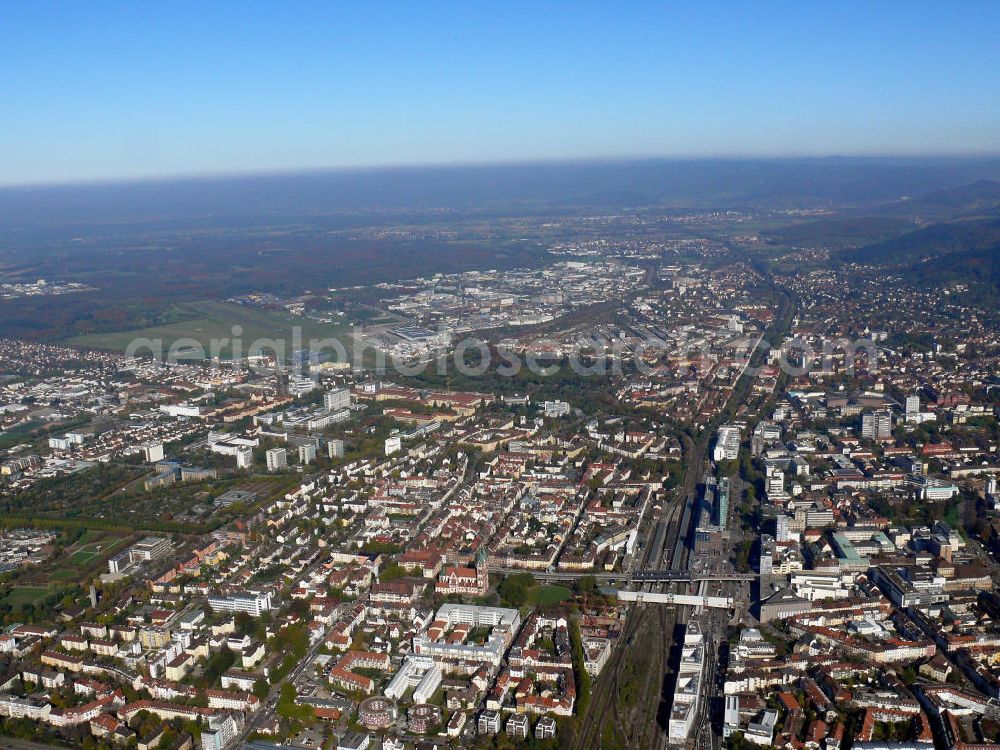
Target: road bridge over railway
690,600
642,576
687,575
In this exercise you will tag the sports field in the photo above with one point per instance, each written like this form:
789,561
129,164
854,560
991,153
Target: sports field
548,594
86,553
205,322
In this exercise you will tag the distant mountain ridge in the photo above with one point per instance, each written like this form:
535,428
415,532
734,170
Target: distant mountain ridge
964,200
965,248
848,230
898,232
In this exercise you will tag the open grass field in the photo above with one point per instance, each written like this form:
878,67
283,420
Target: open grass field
65,575
546,594
20,595
82,561
91,535
19,434
205,322
86,553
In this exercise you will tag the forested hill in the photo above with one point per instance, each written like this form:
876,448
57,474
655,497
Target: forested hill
982,196
932,242
963,248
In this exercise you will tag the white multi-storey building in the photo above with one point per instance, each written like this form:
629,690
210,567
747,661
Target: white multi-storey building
277,459
503,622
687,693
337,399
727,444
249,602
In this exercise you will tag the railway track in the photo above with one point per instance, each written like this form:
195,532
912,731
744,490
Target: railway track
669,534
642,729
603,699
665,535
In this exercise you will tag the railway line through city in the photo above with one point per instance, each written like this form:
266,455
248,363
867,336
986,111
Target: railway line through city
671,535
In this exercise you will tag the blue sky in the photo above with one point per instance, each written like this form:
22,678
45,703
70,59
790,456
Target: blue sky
105,90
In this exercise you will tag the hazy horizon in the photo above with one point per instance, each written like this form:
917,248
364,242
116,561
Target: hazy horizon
289,195
146,92
386,168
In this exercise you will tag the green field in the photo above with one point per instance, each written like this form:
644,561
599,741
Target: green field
205,322
546,595
19,434
91,535
87,553
65,575
25,595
